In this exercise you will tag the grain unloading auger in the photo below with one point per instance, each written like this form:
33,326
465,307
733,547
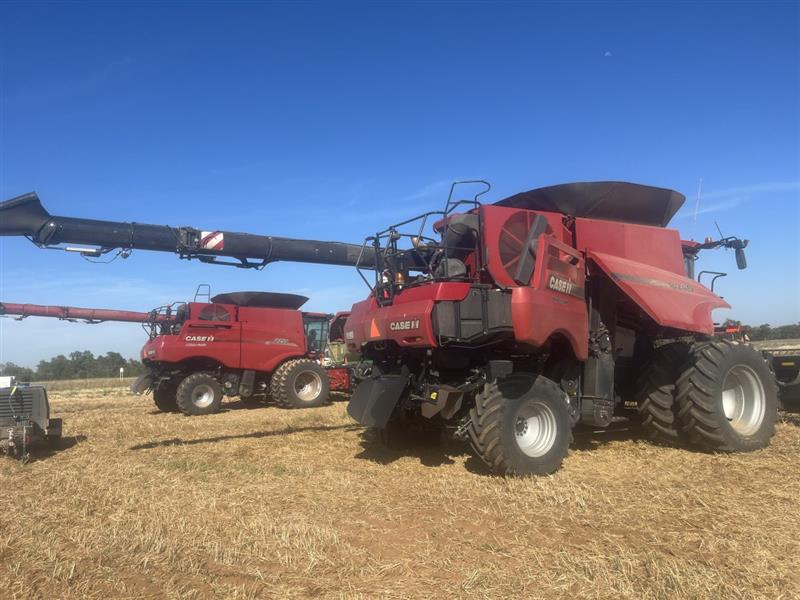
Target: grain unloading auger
25,216
511,323
84,315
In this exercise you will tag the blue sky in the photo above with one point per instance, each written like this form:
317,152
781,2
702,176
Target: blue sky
330,120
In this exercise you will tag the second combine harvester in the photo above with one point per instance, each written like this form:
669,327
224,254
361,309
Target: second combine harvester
511,323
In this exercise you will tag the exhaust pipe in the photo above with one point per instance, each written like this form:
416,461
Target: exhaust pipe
25,216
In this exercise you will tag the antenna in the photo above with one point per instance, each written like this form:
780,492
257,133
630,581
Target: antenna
721,235
697,204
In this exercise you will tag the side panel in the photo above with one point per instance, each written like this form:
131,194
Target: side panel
654,246
211,331
270,336
555,302
407,321
670,299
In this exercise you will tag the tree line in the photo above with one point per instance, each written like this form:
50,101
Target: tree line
78,365
766,331
84,365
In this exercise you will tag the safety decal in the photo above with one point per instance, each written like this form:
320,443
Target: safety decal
212,240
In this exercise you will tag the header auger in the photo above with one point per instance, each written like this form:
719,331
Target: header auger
509,324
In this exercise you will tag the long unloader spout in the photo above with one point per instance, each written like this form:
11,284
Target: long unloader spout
25,216
74,313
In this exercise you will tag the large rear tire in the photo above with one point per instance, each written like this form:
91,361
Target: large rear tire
727,397
300,383
655,397
520,425
199,394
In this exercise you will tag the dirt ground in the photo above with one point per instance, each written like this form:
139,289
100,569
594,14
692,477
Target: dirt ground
276,503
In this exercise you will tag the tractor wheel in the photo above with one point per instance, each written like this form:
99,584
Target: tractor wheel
520,425
655,396
164,396
199,394
300,383
727,397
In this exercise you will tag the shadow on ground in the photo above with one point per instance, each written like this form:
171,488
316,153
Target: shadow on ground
430,450
243,436
434,451
46,450
239,405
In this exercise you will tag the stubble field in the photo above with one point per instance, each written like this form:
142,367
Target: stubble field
275,503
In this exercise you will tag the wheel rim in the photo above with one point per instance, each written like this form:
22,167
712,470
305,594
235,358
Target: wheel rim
202,396
307,386
536,429
743,399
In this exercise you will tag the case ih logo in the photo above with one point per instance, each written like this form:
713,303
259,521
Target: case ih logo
560,285
404,325
212,240
199,338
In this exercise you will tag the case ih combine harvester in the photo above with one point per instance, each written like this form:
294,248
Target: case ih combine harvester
254,345
512,322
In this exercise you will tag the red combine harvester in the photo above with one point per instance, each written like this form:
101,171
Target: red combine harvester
511,323
255,345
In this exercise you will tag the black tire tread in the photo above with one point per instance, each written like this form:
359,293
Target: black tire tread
484,427
279,383
698,409
165,396
655,399
183,399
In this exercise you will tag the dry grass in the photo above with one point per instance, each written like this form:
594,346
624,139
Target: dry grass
282,504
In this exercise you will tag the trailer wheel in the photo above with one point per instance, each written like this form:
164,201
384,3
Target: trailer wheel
655,397
300,383
199,394
520,425
164,396
728,398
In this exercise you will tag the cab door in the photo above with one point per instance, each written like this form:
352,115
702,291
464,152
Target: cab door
212,331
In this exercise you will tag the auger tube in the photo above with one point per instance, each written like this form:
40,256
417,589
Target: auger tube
25,216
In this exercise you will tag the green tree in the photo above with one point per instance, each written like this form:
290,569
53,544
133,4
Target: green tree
20,373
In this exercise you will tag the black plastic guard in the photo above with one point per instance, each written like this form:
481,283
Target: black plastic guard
142,384
374,399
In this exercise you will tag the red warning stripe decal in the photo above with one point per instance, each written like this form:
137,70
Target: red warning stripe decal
212,240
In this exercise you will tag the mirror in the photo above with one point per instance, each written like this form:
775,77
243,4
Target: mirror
741,259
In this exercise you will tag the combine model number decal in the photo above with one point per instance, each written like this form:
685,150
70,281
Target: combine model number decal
560,285
404,325
199,338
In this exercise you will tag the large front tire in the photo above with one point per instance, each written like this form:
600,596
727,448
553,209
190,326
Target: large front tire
199,394
164,396
520,425
300,383
727,397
